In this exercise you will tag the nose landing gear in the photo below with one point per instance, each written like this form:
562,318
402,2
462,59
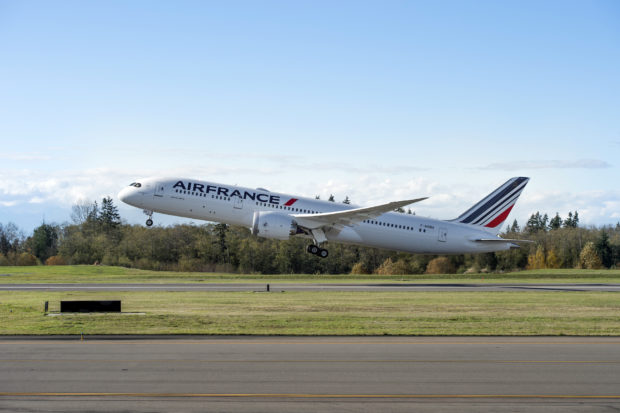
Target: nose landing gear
149,221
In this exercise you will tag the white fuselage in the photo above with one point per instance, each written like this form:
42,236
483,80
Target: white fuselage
235,205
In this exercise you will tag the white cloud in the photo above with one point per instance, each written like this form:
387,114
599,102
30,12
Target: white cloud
447,199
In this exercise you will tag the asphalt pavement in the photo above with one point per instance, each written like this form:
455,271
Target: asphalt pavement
283,374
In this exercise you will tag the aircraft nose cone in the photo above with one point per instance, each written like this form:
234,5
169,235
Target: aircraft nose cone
125,195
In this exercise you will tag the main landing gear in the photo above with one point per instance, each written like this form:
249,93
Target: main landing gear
316,250
149,221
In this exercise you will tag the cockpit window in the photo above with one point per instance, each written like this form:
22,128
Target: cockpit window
136,184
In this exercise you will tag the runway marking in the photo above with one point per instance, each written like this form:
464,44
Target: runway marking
311,396
308,361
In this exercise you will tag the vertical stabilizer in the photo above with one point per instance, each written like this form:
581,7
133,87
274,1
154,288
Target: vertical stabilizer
493,210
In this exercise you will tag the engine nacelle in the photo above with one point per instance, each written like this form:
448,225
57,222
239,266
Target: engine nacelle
275,225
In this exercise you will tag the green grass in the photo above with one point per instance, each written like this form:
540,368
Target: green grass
103,274
321,313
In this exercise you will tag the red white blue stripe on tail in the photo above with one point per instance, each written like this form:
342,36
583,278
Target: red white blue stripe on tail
493,210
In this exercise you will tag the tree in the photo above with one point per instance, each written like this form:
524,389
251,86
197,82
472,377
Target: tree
82,211
317,197
220,233
331,198
400,209
346,200
552,260
109,216
515,227
536,223
11,238
556,222
603,249
572,221
536,261
44,241
588,257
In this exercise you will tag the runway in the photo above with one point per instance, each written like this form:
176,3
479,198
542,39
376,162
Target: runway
308,374
608,287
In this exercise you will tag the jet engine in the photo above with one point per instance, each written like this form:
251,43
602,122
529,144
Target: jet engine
275,225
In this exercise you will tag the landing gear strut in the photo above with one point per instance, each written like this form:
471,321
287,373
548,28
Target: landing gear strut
316,250
149,221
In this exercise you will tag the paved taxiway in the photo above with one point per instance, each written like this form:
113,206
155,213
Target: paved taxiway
610,287
271,374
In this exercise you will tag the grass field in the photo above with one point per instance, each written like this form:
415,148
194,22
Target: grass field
103,274
321,313
313,313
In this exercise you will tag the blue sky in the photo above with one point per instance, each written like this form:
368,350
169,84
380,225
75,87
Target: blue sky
377,101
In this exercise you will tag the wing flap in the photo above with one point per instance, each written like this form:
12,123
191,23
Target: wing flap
491,240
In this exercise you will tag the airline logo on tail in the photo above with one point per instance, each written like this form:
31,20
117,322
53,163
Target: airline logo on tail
493,210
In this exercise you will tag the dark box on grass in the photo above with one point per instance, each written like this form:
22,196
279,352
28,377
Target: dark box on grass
90,306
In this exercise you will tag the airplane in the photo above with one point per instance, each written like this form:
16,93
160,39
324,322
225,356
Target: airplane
282,216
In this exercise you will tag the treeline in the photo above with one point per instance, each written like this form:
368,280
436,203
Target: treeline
98,236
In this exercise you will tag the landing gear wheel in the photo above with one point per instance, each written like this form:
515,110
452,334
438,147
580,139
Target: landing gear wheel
313,249
149,222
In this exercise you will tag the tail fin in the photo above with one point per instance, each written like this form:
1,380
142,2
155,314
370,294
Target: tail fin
493,210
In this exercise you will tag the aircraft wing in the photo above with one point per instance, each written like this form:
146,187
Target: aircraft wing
349,217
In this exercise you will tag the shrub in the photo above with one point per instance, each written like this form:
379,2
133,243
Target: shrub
385,268
389,267
359,268
55,260
26,259
440,265
4,260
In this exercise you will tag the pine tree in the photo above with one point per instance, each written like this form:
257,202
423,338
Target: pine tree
572,221
331,198
603,249
109,216
346,200
556,222
515,227
93,214
536,223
